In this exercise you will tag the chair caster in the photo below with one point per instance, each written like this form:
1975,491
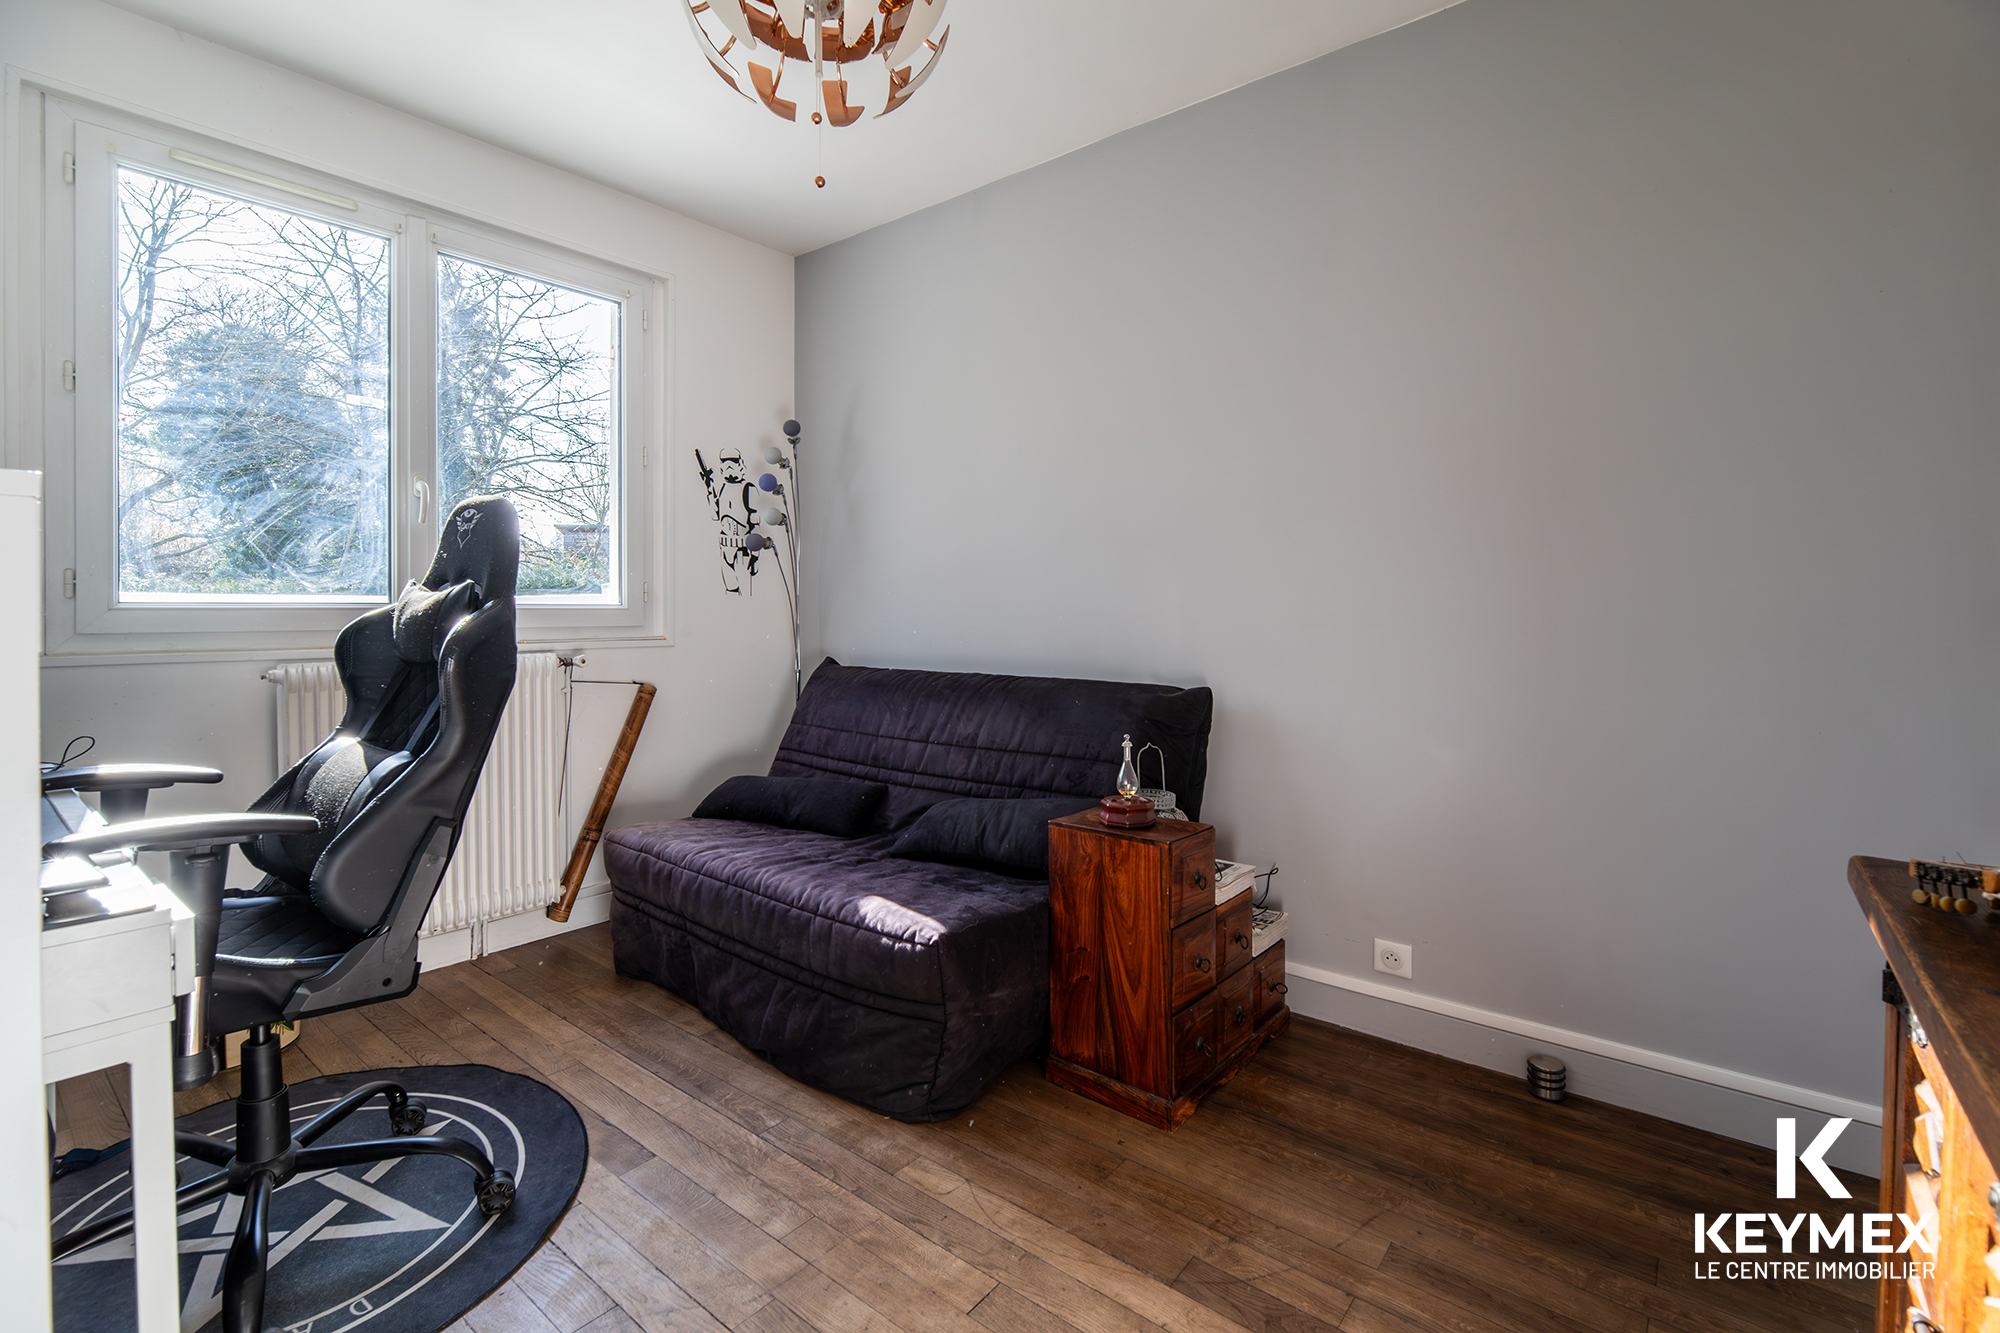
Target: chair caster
497,1194
409,1118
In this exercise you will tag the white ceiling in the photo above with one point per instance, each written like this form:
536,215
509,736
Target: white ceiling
616,90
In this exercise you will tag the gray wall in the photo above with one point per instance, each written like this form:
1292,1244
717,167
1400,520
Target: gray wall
1562,432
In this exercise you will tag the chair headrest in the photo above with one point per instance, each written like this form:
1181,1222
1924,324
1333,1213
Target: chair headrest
423,618
479,542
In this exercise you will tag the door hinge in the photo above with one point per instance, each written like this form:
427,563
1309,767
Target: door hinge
645,592
645,320
645,455
69,583
69,376
69,168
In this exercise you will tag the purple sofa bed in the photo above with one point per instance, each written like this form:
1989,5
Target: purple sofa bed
904,985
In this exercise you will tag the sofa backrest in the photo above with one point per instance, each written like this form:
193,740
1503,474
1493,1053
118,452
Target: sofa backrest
929,735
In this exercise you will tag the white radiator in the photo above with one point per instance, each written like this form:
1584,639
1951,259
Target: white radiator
513,849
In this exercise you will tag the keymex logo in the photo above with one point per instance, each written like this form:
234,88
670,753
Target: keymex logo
1813,1159
1808,1233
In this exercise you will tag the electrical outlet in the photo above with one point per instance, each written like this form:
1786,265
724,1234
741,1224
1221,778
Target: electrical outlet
1392,958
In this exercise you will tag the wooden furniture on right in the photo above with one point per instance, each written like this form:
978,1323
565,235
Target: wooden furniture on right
1154,998
1940,1099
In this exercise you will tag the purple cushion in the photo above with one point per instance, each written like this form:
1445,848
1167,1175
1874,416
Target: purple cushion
1008,834
835,907
834,806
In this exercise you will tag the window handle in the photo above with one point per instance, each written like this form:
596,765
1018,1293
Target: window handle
421,493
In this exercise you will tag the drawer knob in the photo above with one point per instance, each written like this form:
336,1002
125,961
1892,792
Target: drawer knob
1242,940
1241,1015
1201,964
1201,1044
1279,988
1200,880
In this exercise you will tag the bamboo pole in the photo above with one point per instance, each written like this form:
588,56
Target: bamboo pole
600,809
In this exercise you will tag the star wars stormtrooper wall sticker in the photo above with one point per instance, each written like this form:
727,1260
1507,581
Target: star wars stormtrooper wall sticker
759,518
733,499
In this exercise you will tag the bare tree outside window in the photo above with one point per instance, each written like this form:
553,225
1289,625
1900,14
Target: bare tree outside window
527,408
253,399
253,448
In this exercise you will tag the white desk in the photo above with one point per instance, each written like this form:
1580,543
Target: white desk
108,988
24,1157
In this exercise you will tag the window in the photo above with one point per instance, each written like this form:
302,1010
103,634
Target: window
253,400
275,385
528,406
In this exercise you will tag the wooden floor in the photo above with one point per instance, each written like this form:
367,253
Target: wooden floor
1339,1182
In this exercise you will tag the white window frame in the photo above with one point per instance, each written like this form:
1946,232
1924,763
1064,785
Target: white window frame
82,147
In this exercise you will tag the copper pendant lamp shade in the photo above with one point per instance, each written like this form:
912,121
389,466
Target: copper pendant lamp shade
752,44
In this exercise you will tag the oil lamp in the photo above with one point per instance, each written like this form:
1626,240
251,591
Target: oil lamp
1127,809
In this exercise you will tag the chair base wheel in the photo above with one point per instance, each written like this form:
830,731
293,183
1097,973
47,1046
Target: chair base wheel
497,1194
410,1118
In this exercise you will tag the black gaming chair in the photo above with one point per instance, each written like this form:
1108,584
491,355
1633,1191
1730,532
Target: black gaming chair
353,841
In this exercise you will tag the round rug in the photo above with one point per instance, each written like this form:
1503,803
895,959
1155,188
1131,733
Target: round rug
393,1247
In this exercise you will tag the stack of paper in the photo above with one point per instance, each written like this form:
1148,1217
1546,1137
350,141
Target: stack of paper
1267,927
1231,878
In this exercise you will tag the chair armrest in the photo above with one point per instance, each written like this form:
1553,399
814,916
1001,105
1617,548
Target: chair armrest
122,789
179,833
119,777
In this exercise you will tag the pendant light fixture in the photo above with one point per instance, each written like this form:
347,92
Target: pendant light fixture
752,43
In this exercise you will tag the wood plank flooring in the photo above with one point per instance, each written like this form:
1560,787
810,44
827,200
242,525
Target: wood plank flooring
1340,1182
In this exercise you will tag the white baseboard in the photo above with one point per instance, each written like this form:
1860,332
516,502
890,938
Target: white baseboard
436,951
1722,1101
593,905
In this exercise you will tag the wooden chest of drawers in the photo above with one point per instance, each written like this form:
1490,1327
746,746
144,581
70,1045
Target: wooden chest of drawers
1154,999
1940,1104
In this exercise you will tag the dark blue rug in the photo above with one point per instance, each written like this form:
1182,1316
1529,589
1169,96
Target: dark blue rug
396,1247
